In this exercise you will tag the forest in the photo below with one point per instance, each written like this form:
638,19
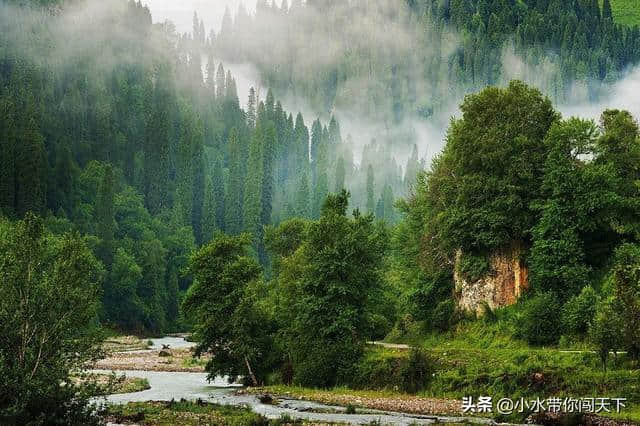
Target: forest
140,194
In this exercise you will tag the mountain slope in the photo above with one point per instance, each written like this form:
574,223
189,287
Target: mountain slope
626,12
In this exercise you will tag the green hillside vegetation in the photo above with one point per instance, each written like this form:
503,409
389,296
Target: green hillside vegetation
626,12
139,193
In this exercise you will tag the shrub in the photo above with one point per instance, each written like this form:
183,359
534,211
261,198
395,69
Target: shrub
579,311
417,371
442,315
472,267
539,322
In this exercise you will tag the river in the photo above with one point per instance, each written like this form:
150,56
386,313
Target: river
165,386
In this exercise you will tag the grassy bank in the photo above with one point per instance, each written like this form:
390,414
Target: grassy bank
478,358
185,413
109,384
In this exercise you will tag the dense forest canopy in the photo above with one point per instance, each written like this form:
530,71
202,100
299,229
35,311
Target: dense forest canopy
134,177
389,66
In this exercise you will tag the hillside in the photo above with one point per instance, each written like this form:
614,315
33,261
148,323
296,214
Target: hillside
626,12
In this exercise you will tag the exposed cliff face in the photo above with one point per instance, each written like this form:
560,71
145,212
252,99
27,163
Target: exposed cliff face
501,286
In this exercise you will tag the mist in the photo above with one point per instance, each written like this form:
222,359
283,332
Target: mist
304,42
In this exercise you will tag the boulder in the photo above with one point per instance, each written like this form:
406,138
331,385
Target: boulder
504,283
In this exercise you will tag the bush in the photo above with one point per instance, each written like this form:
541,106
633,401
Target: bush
472,267
442,316
539,322
387,369
579,311
417,371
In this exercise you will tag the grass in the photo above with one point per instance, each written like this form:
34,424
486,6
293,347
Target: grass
117,343
482,358
187,413
108,384
626,12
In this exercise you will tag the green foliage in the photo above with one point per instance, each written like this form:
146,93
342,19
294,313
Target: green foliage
579,312
50,289
418,371
498,169
604,331
222,305
539,322
625,12
472,267
626,275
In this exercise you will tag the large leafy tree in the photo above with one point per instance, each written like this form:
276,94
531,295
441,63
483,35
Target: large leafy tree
492,168
222,305
49,288
338,270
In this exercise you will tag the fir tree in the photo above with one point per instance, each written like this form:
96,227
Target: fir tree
340,175
370,190
234,196
302,197
105,217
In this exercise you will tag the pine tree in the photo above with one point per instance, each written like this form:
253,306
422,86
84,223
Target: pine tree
251,108
302,197
156,148
7,158
209,215
607,13
340,175
267,173
302,144
105,217
370,190
221,87
64,181
218,194
234,196
198,177
253,188
31,170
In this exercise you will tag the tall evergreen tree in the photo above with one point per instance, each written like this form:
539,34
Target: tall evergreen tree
370,190
253,188
198,179
234,195
156,147
303,197
340,175
105,217
218,194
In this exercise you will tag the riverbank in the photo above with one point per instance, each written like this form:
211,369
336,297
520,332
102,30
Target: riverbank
171,353
178,360
363,399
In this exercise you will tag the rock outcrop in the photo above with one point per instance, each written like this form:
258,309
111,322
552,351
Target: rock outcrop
505,282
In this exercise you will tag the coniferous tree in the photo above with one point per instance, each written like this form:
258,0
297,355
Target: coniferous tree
253,187
31,170
198,190
607,13
218,194
269,142
209,225
221,87
370,190
235,190
251,108
156,148
7,158
303,198
105,217
340,175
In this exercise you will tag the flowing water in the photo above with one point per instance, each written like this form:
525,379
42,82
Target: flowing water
167,386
